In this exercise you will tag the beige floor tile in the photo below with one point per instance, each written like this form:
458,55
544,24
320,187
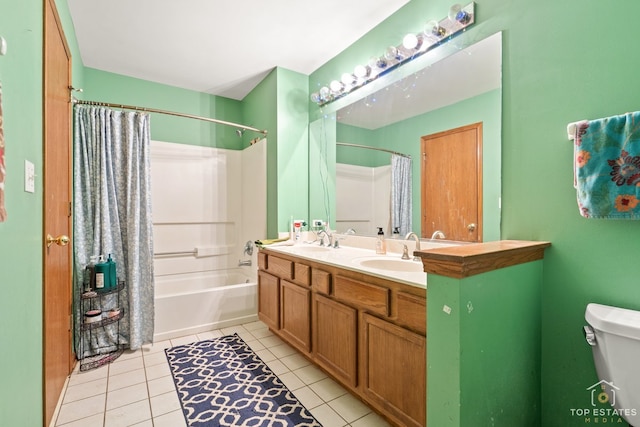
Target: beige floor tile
156,346
84,390
271,341
291,381
92,421
327,416
310,374
277,367
81,409
120,367
295,361
371,420
308,398
125,396
184,340
126,379
161,385
128,415
209,335
83,377
349,407
157,371
155,359
164,403
252,326
327,389
172,419
283,350
265,355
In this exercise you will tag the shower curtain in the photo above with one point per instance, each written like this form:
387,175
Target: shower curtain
112,215
401,211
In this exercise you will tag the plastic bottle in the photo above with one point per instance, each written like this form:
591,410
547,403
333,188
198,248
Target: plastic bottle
102,274
90,274
396,233
113,278
381,245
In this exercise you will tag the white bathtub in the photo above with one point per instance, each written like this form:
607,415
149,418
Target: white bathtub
187,304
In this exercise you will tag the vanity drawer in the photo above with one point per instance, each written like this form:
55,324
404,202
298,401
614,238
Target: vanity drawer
371,297
412,311
282,268
301,274
321,281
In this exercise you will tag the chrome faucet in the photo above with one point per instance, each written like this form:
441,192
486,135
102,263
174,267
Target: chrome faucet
326,231
417,239
248,248
438,235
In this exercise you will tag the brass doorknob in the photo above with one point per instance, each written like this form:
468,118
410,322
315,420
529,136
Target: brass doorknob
61,240
471,227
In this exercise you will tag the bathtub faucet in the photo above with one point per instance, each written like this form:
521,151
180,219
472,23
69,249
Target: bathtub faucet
248,248
245,263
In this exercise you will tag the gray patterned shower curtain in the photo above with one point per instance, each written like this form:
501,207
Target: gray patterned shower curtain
401,202
112,213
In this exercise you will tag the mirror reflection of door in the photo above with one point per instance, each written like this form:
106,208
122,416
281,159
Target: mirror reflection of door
451,183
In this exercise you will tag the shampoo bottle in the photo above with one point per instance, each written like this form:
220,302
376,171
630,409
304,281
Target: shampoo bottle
113,279
381,245
90,274
102,274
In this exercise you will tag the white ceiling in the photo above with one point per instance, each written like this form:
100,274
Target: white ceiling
224,48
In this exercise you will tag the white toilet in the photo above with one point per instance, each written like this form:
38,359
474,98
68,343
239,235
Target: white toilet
614,334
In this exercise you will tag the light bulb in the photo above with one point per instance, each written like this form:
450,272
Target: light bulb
315,97
411,42
393,54
348,79
325,94
433,28
378,62
336,86
362,71
456,13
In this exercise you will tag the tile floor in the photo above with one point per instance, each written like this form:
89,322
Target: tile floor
137,389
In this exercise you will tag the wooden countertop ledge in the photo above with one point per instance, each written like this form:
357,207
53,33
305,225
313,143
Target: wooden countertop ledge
467,260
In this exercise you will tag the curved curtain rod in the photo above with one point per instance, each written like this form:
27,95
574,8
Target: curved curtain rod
170,113
347,144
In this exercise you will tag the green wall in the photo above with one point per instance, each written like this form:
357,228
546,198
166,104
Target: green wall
21,235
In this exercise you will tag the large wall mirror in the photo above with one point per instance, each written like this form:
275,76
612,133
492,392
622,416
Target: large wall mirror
352,146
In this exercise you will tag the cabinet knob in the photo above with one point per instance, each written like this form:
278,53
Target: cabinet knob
471,227
61,240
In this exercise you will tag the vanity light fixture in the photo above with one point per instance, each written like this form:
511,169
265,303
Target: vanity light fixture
413,45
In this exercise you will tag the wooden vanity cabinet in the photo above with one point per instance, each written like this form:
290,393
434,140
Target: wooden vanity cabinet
366,332
393,364
335,338
295,315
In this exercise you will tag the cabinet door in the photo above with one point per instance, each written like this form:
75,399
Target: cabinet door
269,300
394,373
335,338
295,315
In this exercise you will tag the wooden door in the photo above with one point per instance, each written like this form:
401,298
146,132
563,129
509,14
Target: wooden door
451,190
58,355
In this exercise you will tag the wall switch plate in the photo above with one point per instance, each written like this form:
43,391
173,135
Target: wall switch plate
29,177
316,223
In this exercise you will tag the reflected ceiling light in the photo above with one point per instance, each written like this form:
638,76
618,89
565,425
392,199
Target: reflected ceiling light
413,45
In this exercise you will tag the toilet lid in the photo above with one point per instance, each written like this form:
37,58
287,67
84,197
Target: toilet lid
614,320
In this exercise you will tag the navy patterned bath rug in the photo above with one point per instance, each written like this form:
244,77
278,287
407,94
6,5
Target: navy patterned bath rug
222,382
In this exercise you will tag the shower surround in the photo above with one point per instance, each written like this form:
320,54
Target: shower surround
207,203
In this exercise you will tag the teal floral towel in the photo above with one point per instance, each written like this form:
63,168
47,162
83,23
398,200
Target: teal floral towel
607,167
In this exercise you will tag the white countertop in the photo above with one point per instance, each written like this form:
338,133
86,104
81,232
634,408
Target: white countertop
352,257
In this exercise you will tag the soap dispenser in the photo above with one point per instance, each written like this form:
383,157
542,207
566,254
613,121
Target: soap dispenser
381,245
102,275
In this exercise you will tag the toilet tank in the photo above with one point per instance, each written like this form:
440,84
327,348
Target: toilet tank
616,355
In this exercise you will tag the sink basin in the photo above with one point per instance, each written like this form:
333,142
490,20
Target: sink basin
391,264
